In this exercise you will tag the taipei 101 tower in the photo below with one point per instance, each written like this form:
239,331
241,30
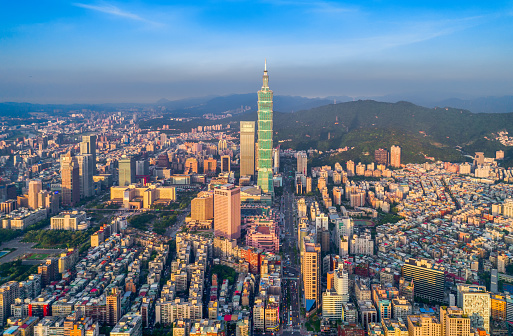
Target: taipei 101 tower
265,136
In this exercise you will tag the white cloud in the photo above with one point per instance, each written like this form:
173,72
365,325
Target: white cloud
116,11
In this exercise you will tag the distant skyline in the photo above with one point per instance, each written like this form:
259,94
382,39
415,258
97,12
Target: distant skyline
142,51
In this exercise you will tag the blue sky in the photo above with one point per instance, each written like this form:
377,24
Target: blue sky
141,51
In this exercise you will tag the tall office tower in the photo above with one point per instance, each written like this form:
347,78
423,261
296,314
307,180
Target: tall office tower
88,146
70,180
395,156
302,163
8,292
454,322
225,163
35,186
247,148
191,165
311,274
126,170
276,160
381,156
142,168
265,136
476,303
428,278
113,306
227,211
85,170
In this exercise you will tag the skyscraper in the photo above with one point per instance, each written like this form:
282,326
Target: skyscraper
35,187
126,167
311,274
395,156
70,180
247,148
88,146
227,211
265,136
276,160
85,170
302,163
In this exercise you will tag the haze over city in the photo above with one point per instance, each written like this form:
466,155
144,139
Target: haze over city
107,51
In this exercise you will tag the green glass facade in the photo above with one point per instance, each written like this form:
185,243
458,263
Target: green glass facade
265,136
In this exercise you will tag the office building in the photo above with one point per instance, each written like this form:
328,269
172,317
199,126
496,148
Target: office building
247,148
142,168
85,171
395,156
126,167
35,186
129,325
276,160
210,166
227,211
381,156
302,163
88,146
454,322
48,271
8,292
113,306
311,274
72,221
225,163
70,180
475,302
202,207
265,136
424,325
428,278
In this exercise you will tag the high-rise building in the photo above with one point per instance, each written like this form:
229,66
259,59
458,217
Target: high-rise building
225,163
70,180
247,148
311,274
142,168
191,166
276,160
202,207
85,171
209,166
35,186
265,136
428,278
126,170
227,211
475,302
302,163
424,325
113,306
454,322
381,156
395,156
88,146
350,168
48,270
8,292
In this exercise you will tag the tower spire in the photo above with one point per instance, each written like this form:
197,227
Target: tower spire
265,65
